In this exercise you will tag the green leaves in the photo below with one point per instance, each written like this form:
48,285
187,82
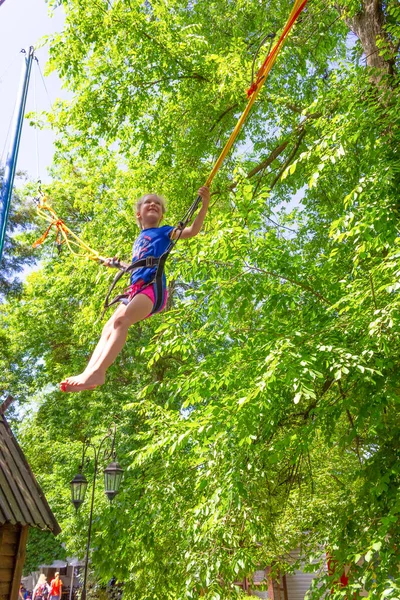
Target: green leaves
260,412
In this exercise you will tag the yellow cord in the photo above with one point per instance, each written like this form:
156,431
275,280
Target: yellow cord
46,212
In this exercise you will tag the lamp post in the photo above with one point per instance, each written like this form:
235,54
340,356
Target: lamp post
112,481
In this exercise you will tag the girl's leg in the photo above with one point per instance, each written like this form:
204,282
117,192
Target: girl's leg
125,316
138,309
105,334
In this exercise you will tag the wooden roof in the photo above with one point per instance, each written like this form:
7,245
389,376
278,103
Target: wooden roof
21,498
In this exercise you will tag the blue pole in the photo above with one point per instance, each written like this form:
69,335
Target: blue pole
11,162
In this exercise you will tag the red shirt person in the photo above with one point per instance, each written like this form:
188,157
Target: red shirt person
56,587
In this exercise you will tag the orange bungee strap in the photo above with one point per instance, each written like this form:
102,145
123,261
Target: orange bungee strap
256,86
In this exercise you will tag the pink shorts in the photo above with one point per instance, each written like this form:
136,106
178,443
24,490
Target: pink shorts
148,290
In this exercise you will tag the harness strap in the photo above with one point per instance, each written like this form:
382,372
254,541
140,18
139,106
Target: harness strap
149,261
158,279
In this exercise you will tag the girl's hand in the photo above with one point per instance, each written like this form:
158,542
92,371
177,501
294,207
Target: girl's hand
110,262
204,192
115,263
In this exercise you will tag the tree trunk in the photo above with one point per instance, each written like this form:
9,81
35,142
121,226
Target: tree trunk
368,27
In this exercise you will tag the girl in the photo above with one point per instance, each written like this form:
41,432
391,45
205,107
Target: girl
56,587
152,242
41,589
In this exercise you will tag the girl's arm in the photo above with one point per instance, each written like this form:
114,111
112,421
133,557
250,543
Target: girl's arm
197,224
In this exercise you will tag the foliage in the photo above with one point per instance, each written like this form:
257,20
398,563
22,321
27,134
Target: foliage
42,549
259,414
16,255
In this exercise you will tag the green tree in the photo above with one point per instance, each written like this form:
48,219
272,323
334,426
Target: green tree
16,255
260,413
42,549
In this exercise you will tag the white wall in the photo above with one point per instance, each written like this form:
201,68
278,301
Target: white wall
299,582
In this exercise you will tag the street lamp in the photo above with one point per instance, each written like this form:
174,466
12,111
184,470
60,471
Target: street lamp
78,489
112,481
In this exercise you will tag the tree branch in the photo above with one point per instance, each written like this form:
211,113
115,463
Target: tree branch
146,84
373,290
267,161
221,116
304,286
289,159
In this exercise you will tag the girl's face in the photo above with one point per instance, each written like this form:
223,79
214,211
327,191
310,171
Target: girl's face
151,212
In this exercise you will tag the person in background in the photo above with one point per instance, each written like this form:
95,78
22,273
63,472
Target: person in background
21,592
41,589
56,587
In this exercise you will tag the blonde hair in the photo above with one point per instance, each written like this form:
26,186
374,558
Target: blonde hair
143,198
42,579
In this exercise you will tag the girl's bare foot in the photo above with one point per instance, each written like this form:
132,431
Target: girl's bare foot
88,380
73,380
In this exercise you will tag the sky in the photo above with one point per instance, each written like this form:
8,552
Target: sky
22,24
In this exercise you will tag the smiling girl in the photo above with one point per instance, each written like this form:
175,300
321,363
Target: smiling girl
152,241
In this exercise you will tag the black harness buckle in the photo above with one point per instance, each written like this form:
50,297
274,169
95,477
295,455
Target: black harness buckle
150,261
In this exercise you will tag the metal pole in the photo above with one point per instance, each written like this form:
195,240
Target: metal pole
71,587
83,596
109,436
11,162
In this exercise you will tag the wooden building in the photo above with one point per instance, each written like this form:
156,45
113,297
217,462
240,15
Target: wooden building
22,505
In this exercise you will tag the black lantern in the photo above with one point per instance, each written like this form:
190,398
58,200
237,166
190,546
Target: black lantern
112,480
78,489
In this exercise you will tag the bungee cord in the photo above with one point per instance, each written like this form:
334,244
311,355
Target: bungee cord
256,86
64,235
269,36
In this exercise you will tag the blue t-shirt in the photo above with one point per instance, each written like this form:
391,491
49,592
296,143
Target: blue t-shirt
151,242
